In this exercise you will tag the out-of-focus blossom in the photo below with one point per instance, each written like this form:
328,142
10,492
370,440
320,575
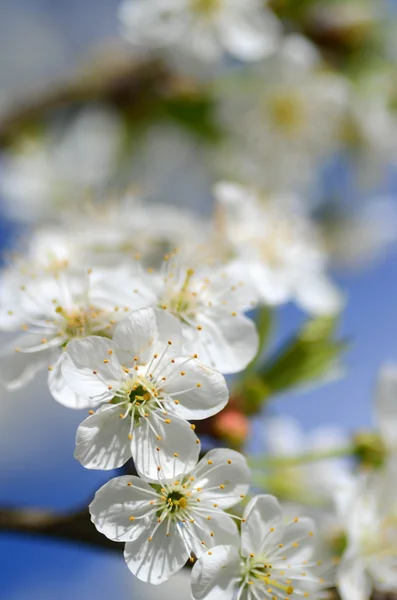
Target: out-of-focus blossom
281,118
42,174
370,516
368,130
205,29
279,248
362,235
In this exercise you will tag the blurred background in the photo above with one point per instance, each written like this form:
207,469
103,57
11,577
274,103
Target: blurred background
42,45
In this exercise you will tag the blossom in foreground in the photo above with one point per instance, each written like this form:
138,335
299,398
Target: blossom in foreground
206,29
370,559
279,248
164,524
210,305
146,388
276,559
50,307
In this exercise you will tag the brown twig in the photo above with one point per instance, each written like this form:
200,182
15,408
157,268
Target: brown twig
74,527
127,85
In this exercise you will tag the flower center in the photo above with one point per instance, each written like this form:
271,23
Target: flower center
182,301
287,112
176,502
74,323
205,7
259,570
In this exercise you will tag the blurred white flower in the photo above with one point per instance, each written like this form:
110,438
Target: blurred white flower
370,559
369,128
361,236
43,174
163,523
146,389
279,248
276,559
206,29
281,118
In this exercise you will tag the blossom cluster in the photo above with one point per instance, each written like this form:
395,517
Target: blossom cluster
155,319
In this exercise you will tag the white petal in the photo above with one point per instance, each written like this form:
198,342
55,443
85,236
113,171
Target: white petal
178,445
219,530
298,540
353,583
386,404
215,575
117,502
215,470
87,374
157,560
261,515
18,368
227,343
137,332
316,294
60,390
102,439
251,35
209,393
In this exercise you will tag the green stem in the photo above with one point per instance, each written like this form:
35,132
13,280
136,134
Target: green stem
292,461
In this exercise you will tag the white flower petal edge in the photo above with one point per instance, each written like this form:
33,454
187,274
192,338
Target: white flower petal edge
214,575
151,389
163,523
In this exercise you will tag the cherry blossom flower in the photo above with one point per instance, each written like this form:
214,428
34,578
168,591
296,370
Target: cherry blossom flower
206,29
166,523
50,306
43,174
210,305
281,118
370,516
279,248
276,559
146,388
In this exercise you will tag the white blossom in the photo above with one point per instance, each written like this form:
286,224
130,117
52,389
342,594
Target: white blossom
164,524
370,559
205,29
146,388
50,306
281,118
43,174
279,248
210,305
276,559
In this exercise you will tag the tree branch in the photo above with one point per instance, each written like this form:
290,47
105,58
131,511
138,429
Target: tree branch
125,84
74,527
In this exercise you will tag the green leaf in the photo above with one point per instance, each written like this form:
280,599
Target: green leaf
308,357
264,320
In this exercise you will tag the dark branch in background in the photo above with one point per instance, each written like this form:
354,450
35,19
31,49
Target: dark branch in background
129,86
74,527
